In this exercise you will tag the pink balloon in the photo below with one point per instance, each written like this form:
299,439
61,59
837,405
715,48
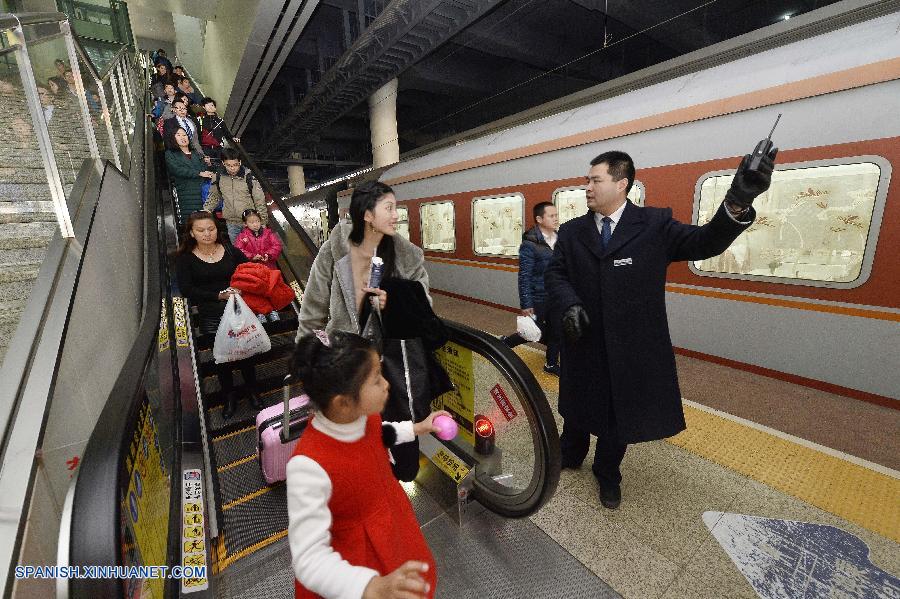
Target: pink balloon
447,427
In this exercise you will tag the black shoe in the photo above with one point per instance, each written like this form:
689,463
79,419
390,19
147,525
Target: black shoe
570,463
255,400
229,407
554,370
611,498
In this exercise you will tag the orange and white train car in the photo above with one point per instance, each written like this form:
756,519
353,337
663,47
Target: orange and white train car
810,293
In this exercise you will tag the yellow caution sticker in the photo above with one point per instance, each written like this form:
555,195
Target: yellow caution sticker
298,293
193,519
451,465
188,583
163,328
178,314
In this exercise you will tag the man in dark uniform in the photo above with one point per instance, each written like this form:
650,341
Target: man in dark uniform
607,278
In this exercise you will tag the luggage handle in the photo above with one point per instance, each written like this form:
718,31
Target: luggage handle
286,422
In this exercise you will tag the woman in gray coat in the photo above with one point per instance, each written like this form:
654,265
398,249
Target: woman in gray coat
337,286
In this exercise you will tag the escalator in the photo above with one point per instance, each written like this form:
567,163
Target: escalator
162,432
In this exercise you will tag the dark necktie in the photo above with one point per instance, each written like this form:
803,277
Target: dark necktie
606,231
187,129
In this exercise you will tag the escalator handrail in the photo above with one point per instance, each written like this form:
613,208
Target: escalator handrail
95,534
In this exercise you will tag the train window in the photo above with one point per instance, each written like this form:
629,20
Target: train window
497,224
314,218
403,222
438,226
571,202
817,225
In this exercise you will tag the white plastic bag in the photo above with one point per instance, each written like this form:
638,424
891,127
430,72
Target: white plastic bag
527,328
240,333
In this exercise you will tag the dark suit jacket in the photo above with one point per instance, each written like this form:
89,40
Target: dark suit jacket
624,365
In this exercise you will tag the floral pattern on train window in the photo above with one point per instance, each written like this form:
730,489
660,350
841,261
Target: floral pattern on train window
438,226
812,224
497,225
572,202
403,221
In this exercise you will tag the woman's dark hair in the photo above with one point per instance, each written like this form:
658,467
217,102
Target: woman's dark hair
364,198
188,243
246,214
339,368
171,144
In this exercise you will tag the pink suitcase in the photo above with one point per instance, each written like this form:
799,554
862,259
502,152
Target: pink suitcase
277,433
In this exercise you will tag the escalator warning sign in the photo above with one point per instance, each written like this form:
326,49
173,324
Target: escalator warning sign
451,465
192,533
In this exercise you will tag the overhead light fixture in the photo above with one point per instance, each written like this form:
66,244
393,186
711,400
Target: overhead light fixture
786,17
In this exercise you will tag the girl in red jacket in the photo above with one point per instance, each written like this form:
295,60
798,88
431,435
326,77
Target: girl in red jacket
258,242
351,527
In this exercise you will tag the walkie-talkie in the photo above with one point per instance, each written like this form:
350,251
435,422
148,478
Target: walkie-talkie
762,149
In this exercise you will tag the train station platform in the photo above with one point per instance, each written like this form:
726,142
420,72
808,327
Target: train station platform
732,507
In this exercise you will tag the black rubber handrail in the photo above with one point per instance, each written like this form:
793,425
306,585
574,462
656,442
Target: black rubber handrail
96,535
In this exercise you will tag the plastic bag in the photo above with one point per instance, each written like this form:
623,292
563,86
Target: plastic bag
240,333
527,328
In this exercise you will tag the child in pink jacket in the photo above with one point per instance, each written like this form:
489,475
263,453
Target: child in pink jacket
259,243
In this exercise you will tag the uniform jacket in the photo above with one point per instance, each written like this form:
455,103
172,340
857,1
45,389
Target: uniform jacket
624,364
236,198
534,256
330,299
265,243
262,288
185,172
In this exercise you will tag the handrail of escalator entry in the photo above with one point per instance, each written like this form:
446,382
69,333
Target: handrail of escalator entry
90,66
548,458
95,538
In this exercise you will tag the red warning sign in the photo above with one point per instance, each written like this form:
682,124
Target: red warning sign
499,395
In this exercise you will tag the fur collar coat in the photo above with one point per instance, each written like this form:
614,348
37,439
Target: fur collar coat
329,300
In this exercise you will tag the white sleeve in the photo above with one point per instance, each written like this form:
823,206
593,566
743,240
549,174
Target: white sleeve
404,431
316,564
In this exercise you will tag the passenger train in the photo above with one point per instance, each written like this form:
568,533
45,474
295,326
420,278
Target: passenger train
810,293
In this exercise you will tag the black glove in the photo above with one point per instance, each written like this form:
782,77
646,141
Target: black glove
747,185
575,323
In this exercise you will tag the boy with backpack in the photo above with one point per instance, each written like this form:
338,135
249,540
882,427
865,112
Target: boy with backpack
238,190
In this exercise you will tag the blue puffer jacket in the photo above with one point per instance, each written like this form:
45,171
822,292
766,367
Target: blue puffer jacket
534,256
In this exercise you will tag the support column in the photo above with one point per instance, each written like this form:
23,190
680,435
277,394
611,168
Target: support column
296,180
383,125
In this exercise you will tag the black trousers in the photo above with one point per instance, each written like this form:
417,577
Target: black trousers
406,460
608,455
550,334
209,324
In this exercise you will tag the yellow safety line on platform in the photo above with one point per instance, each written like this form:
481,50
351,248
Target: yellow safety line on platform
246,498
236,463
847,490
234,433
228,560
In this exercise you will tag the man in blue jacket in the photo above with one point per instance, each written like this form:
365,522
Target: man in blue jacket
534,256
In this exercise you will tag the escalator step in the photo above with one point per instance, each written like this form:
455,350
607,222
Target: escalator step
232,448
255,523
245,414
269,376
207,366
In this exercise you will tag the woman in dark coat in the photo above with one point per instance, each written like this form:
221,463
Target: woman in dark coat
187,170
204,266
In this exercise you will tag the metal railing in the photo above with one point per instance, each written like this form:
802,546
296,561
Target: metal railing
33,32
